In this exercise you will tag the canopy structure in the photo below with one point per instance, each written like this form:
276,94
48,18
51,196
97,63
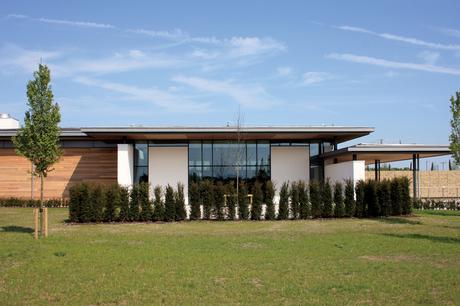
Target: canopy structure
378,153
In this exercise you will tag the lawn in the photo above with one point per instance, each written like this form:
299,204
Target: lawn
413,260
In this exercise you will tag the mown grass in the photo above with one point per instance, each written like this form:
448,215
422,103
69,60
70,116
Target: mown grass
413,260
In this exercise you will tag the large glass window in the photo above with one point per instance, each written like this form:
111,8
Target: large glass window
140,162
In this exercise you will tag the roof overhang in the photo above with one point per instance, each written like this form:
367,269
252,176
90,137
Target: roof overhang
385,152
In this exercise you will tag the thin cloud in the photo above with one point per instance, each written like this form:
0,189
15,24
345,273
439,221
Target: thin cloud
392,64
429,57
404,39
250,96
13,57
314,77
449,31
74,23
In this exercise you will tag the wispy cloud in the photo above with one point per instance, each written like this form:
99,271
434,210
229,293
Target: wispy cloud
247,95
74,23
404,39
314,77
162,98
449,31
392,64
13,57
429,57
283,71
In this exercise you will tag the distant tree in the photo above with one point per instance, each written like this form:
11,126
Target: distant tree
350,204
432,166
146,207
304,209
38,139
257,199
124,204
326,197
295,205
219,199
134,203
339,209
194,200
179,198
283,205
170,204
455,127
269,201
158,204
231,201
243,205
315,199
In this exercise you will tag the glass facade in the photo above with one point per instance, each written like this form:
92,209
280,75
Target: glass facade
221,160
141,162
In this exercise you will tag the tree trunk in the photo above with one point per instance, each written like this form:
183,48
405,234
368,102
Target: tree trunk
41,205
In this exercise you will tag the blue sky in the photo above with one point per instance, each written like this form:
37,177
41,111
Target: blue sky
392,65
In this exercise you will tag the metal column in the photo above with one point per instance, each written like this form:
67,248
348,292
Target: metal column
415,169
377,169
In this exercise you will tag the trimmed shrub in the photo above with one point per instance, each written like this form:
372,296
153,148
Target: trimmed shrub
20,202
326,197
270,205
112,201
283,206
194,200
257,199
231,201
304,206
75,203
295,205
361,208
146,207
219,198
384,197
97,202
406,202
339,209
158,204
85,203
349,201
179,198
243,205
396,195
170,205
207,198
134,203
315,199
370,197
124,204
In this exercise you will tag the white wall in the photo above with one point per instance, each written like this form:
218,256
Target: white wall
354,170
169,165
289,164
125,169
6,122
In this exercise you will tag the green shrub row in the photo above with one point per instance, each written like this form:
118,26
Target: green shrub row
97,203
18,202
437,204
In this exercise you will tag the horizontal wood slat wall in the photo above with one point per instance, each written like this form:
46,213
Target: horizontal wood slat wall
76,165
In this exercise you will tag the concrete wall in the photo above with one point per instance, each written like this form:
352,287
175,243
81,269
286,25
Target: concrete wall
169,165
125,169
354,170
289,164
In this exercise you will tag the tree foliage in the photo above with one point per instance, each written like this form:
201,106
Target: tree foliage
269,201
257,199
349,201
179,198
194,199
455,127
283,205
339,209
170,204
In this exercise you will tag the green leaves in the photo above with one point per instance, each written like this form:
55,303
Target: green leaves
455,127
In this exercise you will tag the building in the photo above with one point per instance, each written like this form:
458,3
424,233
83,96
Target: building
168,155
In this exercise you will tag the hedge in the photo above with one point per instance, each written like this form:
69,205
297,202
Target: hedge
19,202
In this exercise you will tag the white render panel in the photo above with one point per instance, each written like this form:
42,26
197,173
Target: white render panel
289,164
125,169
169,165
9,123
340,172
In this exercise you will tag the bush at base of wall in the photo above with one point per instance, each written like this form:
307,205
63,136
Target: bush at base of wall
17,202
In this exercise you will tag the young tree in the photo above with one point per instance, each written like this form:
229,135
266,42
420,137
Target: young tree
158,205
219,198
170,210
339,210
326,197
283,205
384,197
406,202
315,199
455,127
257,199
295,205
179,197
395,197
350,204
146,208
361,207
370,197
207,198
243,208
269,196
304,209
194,199
134,203
38,139
231,201
124,204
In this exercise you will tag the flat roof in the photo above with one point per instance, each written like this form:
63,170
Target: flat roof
386,152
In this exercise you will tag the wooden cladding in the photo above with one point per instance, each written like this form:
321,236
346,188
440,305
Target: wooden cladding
76,165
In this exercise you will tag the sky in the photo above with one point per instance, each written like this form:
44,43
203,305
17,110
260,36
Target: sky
391,65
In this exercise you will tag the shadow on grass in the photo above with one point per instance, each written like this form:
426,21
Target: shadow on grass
16,229
398,220
433,212
442,239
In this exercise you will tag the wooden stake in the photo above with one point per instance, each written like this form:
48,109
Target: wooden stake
35,223
45,222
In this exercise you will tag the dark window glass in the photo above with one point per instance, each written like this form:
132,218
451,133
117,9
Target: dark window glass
140,154
252,172
195,173
207,172
263,153
228,154
194,154
251,153
327,147
207,153
314,149
141,174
